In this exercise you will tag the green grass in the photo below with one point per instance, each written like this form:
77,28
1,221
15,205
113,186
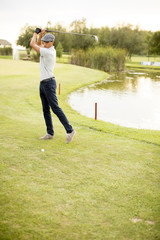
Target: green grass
64,59
138,58
91,189
6,57
135,63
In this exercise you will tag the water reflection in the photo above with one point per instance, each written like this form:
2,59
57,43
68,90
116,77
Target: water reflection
128,99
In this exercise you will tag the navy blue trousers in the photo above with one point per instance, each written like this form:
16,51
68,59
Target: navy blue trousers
49,100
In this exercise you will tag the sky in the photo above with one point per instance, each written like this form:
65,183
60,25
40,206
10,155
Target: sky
14,14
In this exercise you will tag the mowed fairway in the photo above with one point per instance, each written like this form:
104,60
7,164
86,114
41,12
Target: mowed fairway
104,185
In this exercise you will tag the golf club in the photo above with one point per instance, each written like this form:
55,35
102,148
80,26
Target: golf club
82,34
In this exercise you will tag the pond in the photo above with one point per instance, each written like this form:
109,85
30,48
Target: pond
130,99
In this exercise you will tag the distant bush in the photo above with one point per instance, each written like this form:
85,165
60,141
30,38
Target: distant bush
35,56
59,50
106,59
6,51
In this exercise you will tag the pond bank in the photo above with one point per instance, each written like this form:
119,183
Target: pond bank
129,99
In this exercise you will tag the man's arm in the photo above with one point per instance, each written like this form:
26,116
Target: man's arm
33,43
41,34
36,45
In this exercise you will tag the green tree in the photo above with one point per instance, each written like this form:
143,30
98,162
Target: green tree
81,42
65,39
25,37
125,37
148,38
155,43
104,36
59,50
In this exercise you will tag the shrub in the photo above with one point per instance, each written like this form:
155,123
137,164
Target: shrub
35,56
59,50
7,51
106,59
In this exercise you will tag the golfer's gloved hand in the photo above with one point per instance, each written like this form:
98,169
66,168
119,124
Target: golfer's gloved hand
38,30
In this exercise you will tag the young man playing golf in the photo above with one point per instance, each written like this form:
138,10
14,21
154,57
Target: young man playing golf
48,83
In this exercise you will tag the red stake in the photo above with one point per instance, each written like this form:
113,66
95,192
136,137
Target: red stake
95,111
59,88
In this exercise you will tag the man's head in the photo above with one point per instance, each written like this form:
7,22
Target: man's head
48,40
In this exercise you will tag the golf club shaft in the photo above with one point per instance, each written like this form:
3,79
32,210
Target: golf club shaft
82,34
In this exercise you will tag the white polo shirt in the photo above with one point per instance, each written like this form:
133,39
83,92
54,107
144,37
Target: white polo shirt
47,62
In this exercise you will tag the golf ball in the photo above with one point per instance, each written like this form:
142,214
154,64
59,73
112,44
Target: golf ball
42,150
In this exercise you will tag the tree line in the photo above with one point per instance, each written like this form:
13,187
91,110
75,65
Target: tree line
132,39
